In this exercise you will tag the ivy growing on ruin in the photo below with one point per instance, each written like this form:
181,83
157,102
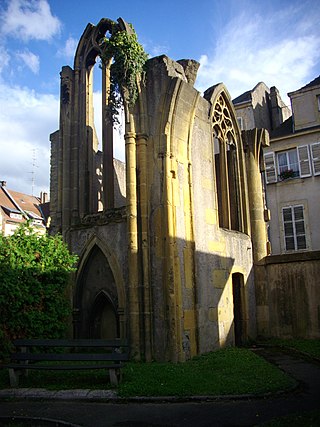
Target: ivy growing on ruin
127,67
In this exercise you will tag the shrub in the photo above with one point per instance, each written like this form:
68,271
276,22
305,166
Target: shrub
34,274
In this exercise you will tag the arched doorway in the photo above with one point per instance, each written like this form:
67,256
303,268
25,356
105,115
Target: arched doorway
239,322
104,321
96,299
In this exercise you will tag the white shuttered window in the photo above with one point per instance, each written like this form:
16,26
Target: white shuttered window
304,161
270,168
294,228
315,155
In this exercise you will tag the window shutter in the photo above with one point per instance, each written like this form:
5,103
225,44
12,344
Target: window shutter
299,227
304,161
270,169
294,228
315,154
288,229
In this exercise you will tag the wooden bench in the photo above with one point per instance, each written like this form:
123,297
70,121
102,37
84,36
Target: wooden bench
111,355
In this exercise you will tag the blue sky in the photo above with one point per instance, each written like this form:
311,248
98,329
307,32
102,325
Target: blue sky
237,42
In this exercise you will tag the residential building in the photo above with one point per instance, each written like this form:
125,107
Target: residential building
17,208
292,162
292,171
286,281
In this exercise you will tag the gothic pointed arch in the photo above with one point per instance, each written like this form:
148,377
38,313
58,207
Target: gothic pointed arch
96,193
229,160
100,287
92,189
104,319
88,46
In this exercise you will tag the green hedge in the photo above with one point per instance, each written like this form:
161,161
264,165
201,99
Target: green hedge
34,274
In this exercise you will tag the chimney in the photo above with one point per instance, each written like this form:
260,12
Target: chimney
275,108
44,197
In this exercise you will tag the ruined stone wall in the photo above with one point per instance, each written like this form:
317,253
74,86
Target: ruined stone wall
55,219
192,259
111,239
292,295
155,247
218,253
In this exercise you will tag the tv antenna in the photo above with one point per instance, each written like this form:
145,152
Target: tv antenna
33,172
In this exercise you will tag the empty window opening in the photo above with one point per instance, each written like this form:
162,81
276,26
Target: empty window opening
226,142
97,104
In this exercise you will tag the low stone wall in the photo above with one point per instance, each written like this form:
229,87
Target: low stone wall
293,293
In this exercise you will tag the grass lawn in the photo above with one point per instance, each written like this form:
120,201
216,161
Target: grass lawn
229,371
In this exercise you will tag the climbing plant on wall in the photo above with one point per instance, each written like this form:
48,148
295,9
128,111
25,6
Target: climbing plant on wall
128,64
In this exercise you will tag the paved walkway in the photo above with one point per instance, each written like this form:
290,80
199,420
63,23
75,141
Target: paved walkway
102,408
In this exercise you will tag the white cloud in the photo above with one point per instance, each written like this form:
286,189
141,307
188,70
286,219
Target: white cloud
30,60
153,49
68,51
25,123
29,19
157,50
258,48
118,132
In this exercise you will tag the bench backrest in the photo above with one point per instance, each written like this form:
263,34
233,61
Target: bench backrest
28,349
102,357
71,343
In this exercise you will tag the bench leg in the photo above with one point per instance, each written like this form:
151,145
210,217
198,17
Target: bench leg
113,376
14,377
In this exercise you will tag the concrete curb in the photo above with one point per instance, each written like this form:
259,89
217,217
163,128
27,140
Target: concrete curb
37,421
111,396
44,394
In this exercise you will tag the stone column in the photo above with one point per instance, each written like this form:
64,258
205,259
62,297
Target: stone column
254,140
171,262
142,141
75,151
133,277
64,179
81,103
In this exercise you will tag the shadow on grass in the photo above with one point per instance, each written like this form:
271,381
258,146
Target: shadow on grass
232,371
307,347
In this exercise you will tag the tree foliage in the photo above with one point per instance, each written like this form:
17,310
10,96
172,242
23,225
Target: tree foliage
34,274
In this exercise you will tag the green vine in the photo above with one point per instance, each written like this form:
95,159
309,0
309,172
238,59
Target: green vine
128,62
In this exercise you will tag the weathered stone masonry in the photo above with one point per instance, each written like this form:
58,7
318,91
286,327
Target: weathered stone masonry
169,262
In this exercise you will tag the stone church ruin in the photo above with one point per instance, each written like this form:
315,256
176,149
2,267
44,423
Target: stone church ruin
169,241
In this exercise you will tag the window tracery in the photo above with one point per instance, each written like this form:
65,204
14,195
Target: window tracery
226,165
